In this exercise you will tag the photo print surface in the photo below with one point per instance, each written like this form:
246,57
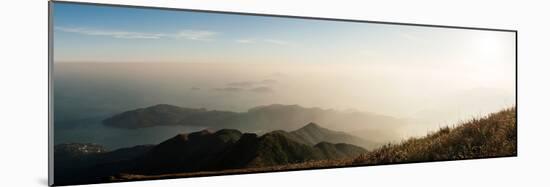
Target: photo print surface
146,93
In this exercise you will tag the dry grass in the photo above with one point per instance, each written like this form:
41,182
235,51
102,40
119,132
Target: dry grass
492,136
304,165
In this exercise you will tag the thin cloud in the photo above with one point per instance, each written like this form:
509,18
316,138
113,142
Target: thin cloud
268,41
242,84
277,42
252,83
245,41
269,81
114,34
196,35
263,89
229,89
202,35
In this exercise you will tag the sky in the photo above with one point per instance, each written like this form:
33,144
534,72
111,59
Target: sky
88,33
235,62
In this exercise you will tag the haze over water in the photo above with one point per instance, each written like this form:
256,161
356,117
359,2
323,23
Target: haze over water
107,62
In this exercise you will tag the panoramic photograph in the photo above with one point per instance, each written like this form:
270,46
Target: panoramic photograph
144,93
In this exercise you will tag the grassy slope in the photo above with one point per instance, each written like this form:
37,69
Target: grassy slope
491,136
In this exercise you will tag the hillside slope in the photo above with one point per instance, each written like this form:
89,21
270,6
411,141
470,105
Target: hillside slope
204,151
199,151
187,152
491,136
312,134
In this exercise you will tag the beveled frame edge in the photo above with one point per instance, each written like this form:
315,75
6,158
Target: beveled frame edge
51,181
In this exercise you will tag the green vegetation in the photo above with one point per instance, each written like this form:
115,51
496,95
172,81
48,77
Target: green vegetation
274,149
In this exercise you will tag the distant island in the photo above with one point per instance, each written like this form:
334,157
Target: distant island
260,119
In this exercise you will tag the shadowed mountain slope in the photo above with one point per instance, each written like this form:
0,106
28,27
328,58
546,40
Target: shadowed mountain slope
229,149
312,134
194,152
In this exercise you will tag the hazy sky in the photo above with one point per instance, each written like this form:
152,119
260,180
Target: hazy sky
113,34
404,71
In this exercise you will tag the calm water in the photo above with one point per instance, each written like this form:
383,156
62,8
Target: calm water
92,131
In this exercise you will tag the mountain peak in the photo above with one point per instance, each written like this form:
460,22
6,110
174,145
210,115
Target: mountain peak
312,134
203,132
227,131
312,125
275,107
163,107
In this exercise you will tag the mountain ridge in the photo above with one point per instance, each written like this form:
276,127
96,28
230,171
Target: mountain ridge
259,119
313,133
202,150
